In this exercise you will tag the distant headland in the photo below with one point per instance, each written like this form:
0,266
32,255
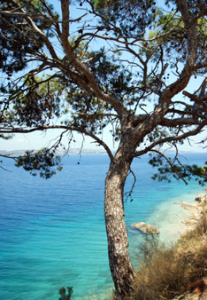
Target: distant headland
76,151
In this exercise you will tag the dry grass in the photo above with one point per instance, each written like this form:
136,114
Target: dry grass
165,273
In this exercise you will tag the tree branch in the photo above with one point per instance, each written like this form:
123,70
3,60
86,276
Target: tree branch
118,106
171,139
42,128
169,162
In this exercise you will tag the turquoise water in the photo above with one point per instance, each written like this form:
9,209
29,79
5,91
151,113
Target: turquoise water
52,233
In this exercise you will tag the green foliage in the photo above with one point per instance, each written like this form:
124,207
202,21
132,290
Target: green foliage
193,6
63,294
130,17
42,162
58,88
175,169
17,39
38,104
169,30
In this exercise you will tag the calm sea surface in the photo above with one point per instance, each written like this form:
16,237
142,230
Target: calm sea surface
52,232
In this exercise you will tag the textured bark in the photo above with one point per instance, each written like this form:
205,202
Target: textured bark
119,261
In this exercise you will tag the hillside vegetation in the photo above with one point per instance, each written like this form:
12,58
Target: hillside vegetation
175,272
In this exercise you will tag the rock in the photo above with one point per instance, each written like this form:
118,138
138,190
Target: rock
189,206
145,228
194,291
178,202
200,197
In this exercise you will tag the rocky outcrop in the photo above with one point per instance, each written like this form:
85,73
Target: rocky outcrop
189,206
201,198
146,228
195,291
193,220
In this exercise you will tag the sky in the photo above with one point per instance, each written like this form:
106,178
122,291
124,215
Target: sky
38,140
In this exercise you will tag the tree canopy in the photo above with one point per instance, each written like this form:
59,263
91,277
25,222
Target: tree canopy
128,64
142,49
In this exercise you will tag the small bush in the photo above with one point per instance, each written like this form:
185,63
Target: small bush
162,274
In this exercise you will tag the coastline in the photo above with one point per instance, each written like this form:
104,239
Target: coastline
183,218
180,270
196,214
174,219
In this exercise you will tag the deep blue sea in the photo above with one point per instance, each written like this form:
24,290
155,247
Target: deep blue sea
52,232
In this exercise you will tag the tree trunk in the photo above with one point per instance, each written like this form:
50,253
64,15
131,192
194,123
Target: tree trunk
119,261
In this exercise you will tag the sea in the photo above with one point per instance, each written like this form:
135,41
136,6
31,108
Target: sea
52,232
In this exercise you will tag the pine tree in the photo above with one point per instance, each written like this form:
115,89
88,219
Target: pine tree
148,58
